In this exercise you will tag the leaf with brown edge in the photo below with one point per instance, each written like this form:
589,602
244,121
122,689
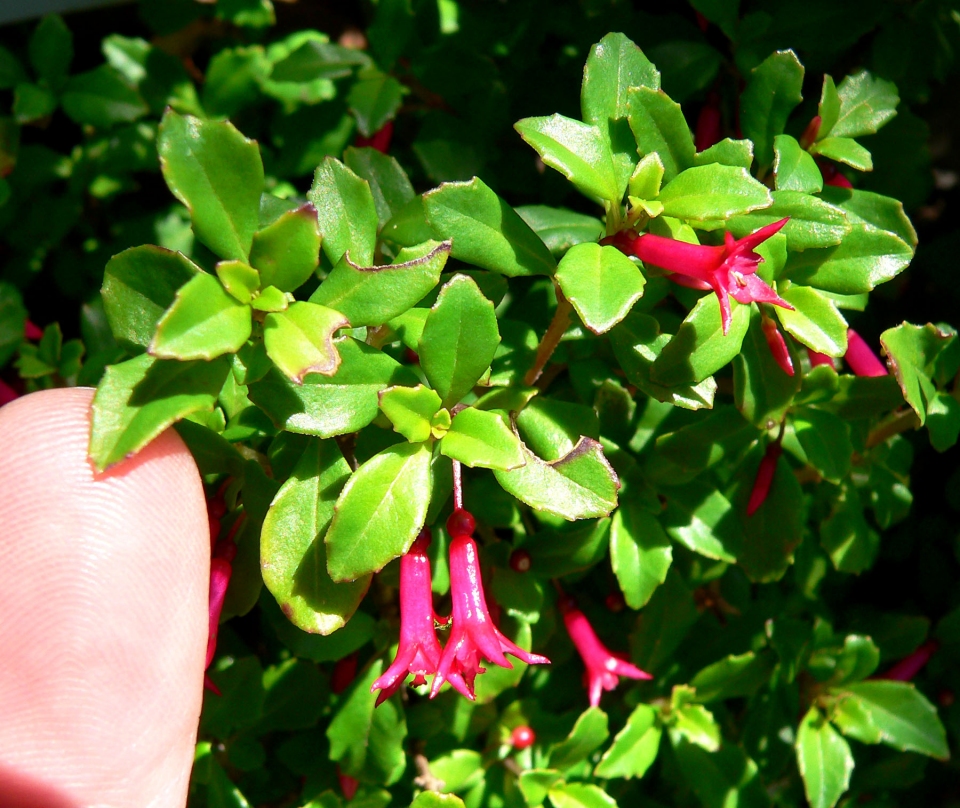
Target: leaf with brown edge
299,340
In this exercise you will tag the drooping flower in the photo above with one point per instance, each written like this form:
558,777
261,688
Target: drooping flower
729,270
862,361
910,666
777,345
419,650
473,634
764,478
603,667
221,568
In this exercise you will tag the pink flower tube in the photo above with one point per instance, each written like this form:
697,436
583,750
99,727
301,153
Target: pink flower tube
861,360
603,668
764,478
910,666
777,345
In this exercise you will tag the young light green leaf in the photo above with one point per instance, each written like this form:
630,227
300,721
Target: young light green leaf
772,91
601,283
481,439
373,295
434,799
659,126
700,348
640,553
866,104
293,555
217,173
138,399
727,152
815,320
844,150
240,280
139,285
202,323
300,340
410,410
346,212
579,151
485,230
580,795
713,191
588,734
270,299
459,339
380,511
536,783
388,182
824,760
912,352
580,485
696,724
614,65
793,168
331,405
897,714
286,252
635,747
647,177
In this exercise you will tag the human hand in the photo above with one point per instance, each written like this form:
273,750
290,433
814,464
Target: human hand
103,614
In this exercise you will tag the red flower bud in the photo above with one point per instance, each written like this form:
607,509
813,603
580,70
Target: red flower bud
861,360
777,344
31,331
348,784
764,479
817,359
7,393
615,602
810,133
522,737
708,124
460,523
520,561
910,666
344,672
379,140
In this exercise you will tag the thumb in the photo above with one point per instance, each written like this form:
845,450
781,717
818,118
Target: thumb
103,613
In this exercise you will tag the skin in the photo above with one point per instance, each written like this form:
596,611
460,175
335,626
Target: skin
103,614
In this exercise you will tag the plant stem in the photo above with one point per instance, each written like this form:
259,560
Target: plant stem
457,485
900,422
548,344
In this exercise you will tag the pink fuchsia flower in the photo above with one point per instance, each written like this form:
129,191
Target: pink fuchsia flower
473,634
910,666
777,345
764,478
817,358
221,568
603,667
861,360
419,650
729,270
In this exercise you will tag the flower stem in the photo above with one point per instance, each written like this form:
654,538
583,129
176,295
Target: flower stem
901,421
551,338
457,485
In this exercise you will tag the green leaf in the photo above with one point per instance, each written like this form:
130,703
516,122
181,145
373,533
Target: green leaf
346,212
824,760
580,795
481,439
139,285
733,676
793,168
374,295
51,50
829,107
460,770
700,348
560,228
270,299
380,511
535,784
459,339
866,258
579,151
240,280
667,620
898,713
13,317
601,283
410,410
31,102
865,207
640,553
646,179
300,340
943,421
713,191
286,252
588,734
367,741
866,104
101,98
815,320
580,485
138,399
844,150
825,440
772,91
813,222
388,182
635,747
374,99
293,555
216,172
912,352
702,519
331,405
727,152
761,389
316,59
719,779
557,553
846,536
434,799
696,724
659,126
485,230
202,323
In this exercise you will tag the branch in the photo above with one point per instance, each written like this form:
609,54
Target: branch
548,344
901,421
